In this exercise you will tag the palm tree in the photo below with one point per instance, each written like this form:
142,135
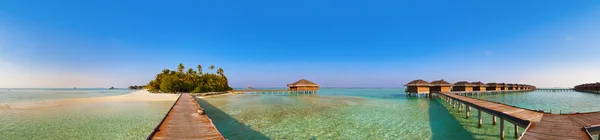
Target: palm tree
191,72
212,67
199,69
166,71
180,68
220,71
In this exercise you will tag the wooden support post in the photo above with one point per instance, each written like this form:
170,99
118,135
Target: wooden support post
453,103
468,110
501,128
479,118
516,131
459,106
494,120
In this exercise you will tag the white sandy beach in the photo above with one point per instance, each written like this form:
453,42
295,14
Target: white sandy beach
141,95
136,96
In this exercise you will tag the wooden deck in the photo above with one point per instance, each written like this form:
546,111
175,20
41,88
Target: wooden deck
516,115
185,122
272,91
538,125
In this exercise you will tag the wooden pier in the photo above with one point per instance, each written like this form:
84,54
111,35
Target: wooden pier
537,124
185,120
273,91
555,89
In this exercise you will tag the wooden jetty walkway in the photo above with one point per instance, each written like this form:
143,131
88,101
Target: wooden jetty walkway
539,125
556,89
185,120
273,91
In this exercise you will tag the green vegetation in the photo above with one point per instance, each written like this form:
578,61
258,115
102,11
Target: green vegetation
169,81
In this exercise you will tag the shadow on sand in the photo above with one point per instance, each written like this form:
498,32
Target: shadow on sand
443,125
229,127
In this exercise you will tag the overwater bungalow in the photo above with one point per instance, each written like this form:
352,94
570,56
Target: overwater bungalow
493,87
503,86
440,86
510,86
303,85
479,86
462,86
417,86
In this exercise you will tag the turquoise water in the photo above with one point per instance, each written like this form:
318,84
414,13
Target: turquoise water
33,95
556,102
53,118
334,113
344,114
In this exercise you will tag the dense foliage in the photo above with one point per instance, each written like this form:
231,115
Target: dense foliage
169,81
136,87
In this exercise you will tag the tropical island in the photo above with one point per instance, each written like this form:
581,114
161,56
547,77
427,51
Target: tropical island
191,81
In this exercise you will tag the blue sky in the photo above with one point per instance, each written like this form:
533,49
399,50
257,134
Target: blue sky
262,43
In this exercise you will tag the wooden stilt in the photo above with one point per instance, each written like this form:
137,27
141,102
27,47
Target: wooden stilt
516,131
494,120
459,106
468,110
501,128
479,118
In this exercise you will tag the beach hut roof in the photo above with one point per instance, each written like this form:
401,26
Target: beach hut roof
418,82
479,84
303,82
440,83
492,84
463,83
502,85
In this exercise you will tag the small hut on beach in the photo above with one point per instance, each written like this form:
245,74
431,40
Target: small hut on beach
493,87
479,86
303,85
439,86
462,86
417,86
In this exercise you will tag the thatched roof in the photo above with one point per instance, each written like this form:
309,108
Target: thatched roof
493,84
463,84
302,82
440,83
479,84
418,83
502,85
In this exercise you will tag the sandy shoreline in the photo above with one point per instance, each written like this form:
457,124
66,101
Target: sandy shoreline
136,96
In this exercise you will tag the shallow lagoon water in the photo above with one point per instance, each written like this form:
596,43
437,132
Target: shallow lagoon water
53,119
334,113
556,102
344,114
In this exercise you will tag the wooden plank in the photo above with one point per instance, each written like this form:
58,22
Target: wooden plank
185,122
544,126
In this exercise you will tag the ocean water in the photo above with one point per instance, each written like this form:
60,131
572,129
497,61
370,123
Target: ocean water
48,117
33,95
555,102
367,113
